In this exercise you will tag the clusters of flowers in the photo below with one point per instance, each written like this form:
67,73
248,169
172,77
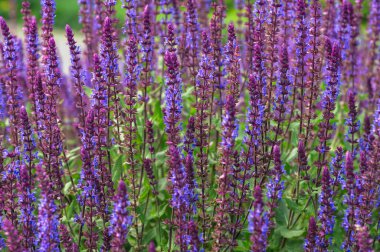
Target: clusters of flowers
175,131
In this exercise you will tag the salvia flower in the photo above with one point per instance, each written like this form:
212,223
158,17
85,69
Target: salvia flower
52,142
130,82
48,220
232,62
258,223
283,90
275,185
130,26
33,68
110,68
173,98
328,101
48,15
192,41
121,219
350,201
13,241
86,18
11,86
314,64
302,43
77,74
352,123
364,239
326,212
27,201
336,169
204,87
182,197
310,241
66,239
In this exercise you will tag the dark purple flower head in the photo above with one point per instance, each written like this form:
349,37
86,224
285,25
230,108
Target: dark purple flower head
232,63
171,41
152,247
310,241
302,157
66,239
147,165
283,87
13,241
364,240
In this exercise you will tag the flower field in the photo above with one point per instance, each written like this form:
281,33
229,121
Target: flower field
191,125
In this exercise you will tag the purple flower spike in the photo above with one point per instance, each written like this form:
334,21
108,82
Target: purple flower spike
152,247
173,102
27,206
121,219
48,15
86,18
352,123
66,239
232,62
326,212
258,223
350,201
364,239
48,220
328,101
77,75
13,241
51,141
310,242
11,85
275,185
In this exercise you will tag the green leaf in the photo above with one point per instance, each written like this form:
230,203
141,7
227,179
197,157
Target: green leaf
117,169
67,187
293,205
292,155
281,214
289,234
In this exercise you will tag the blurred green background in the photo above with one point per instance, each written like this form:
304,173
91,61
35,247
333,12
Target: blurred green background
67,11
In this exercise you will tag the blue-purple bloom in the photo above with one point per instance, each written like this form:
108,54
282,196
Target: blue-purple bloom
325,212
120,219
48,220
258,223
173,98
